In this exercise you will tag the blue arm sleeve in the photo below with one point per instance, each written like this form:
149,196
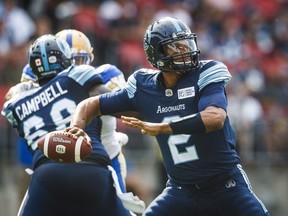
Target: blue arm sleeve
114,102
213,95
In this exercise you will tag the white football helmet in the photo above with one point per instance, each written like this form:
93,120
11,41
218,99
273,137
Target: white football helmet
82,51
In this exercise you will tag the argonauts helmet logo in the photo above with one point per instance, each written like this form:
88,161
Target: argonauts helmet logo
148,35
147,39
160,63
146,46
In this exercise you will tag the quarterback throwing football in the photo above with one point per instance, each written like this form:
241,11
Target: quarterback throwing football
184,105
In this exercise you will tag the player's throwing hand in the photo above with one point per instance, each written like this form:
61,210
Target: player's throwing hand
147,128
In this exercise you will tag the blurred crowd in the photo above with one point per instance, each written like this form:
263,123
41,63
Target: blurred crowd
249,36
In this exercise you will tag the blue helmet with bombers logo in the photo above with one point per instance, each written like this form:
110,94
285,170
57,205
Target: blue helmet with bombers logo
170,46
48,56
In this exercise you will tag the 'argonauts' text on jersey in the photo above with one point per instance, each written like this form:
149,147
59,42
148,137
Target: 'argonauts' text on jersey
166,109
39,101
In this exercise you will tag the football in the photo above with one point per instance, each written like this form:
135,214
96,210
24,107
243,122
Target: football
60,147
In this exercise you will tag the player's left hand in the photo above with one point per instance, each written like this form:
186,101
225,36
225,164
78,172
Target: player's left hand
148,128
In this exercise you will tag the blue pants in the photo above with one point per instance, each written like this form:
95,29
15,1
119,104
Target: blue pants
71,189
231,196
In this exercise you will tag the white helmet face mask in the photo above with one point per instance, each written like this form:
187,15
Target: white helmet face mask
81,58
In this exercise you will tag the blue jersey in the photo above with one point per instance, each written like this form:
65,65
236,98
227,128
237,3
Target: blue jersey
49,108
188,158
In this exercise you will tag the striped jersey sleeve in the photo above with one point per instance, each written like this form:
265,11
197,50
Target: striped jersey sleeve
84,73
217,72
131,86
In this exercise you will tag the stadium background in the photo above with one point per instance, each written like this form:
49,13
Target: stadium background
250,36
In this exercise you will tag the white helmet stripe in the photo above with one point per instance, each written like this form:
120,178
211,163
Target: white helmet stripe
176,25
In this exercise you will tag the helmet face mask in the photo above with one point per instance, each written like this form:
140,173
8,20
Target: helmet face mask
82,51
170,46
81,58
48,56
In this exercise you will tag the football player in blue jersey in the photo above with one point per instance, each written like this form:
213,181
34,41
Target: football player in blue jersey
113,78
184,105
57,188
112,140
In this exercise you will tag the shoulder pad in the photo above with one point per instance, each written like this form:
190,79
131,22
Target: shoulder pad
213,72
147,71
27,74
7,112
21,90
131,85
82,73
113,78
112,69
137,78
115,83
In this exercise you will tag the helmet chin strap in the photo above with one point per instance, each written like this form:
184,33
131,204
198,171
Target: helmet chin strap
175,72
172,71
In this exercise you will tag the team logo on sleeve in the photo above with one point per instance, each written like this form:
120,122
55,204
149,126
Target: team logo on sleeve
186,92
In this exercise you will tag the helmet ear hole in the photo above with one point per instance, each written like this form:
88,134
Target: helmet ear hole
171,31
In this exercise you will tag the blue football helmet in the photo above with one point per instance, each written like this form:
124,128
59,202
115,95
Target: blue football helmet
170,46
48,56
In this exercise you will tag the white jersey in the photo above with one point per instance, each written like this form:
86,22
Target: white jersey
110,138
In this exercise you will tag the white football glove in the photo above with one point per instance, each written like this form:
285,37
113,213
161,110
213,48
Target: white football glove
130,202
122,138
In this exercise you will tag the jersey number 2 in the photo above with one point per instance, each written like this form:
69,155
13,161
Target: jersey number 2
175,140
